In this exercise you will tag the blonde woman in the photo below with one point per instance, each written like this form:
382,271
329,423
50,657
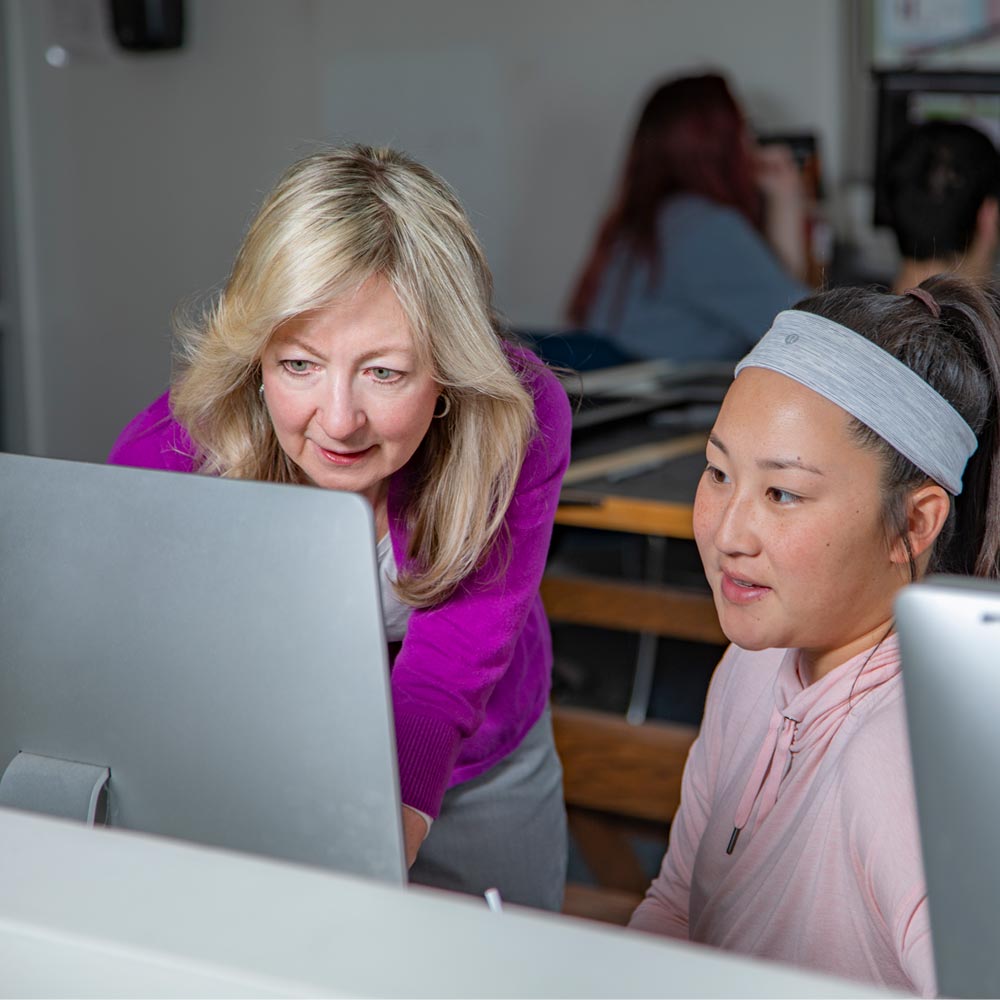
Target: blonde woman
354,348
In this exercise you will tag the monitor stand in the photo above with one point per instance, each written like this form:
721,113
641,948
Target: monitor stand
56,787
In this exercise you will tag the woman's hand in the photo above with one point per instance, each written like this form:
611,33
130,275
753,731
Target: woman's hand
415,830
778,174
780,180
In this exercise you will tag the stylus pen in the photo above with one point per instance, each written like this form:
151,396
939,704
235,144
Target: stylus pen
493,900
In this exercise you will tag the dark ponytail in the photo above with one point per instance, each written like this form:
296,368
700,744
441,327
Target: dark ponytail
958,354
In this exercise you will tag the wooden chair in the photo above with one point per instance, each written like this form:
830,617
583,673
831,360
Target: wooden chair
672,612
622,775
618,779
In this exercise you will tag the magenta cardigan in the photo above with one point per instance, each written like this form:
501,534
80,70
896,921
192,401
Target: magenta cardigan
474,672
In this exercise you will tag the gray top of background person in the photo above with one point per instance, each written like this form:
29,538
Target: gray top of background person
716,288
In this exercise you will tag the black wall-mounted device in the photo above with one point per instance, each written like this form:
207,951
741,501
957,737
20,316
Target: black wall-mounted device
148,25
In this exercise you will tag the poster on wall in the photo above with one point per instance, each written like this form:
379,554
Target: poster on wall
936,34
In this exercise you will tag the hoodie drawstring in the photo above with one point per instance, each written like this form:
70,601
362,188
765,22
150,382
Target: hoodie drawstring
765,779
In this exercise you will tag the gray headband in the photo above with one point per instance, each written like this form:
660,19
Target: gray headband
871,385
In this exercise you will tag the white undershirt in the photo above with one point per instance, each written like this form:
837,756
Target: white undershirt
395,614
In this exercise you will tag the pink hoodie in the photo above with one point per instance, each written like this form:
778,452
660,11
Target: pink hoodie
826,870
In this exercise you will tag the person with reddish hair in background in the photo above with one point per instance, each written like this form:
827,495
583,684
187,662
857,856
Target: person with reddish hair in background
705,239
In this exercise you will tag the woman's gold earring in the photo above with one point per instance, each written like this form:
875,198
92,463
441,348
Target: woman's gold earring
447,407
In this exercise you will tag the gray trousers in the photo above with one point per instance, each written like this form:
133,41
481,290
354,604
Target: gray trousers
505,829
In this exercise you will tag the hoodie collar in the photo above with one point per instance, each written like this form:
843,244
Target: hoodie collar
804,716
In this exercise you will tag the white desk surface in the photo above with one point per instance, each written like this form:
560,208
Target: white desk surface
88,913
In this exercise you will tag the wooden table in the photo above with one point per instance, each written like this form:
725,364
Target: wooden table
645,487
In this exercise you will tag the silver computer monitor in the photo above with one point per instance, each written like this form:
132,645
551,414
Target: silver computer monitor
216,645
949,631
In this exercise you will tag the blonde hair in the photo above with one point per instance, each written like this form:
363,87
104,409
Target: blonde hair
336,219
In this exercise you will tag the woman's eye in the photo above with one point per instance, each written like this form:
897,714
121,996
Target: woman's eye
297,366
716,475
781,496
384,374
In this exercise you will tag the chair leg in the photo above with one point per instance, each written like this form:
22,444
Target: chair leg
605,848
642,681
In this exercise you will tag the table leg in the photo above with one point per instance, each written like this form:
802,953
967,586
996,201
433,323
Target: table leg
645,660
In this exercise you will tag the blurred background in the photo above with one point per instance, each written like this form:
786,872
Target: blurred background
128,174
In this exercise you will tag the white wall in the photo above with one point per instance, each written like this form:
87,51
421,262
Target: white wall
134,178
135,175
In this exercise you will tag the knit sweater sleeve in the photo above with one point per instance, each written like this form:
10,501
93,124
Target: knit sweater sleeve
665,908
154,440
455,653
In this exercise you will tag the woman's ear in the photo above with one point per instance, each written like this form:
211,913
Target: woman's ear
927,510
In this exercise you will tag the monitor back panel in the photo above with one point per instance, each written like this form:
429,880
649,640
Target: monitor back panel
950,641
218,644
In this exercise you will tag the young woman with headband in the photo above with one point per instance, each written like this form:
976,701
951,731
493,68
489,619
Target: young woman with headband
856,450
354,347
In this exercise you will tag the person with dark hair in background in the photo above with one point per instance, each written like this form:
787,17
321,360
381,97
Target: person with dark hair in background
705,239
942,188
